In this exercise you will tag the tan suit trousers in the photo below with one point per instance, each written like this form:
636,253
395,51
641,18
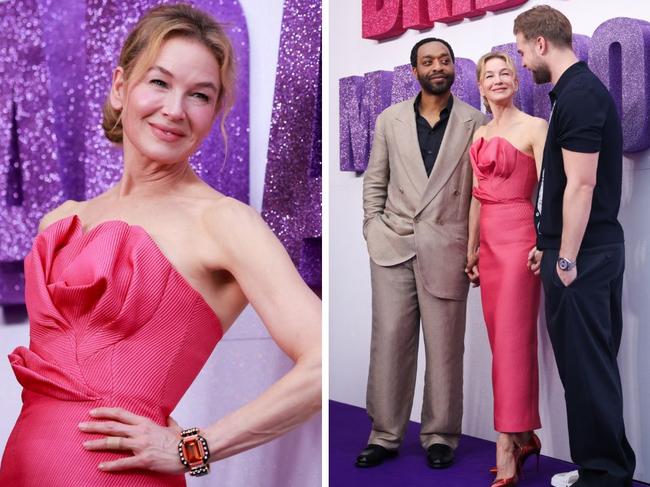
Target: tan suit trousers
399,302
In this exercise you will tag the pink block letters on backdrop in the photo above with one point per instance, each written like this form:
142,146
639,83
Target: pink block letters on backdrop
390,18
495,5
448,11
415,14
381,19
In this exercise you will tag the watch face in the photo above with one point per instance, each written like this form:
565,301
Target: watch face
564,265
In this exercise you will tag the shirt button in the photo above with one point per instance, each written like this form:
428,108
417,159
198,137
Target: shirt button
439,221
456,192
429,152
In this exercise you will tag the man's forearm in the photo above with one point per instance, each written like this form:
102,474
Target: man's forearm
575,215
375,193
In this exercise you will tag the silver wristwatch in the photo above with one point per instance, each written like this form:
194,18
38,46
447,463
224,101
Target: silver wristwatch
565,264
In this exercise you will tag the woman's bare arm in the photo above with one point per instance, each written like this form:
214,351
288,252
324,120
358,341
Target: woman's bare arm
292,314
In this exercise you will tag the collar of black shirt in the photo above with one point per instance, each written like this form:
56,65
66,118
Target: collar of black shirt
567,76
444,113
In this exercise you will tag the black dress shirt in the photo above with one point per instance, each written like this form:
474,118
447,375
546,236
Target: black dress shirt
430,137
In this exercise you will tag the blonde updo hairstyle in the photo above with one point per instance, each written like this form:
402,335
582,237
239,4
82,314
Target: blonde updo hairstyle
145,41
480,69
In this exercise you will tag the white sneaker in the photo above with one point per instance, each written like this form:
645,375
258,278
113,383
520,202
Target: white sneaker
565,479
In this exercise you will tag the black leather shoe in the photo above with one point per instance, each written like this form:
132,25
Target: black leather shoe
440,456
374,455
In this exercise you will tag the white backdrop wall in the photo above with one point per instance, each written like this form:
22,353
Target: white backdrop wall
350,54
246,361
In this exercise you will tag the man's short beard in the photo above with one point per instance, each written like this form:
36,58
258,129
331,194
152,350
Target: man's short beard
541,74
436,89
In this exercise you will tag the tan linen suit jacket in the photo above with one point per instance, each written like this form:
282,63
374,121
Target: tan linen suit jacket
408,214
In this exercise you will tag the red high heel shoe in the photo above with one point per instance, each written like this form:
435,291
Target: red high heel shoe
532,447
510,481
506,482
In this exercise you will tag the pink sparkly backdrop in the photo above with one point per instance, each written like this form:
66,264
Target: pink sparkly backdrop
390,18
618,53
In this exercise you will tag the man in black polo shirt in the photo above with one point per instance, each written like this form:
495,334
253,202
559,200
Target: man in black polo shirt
582,244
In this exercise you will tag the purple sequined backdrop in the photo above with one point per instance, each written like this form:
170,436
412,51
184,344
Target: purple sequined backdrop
362,99
618,53
56,58
29,169
292,189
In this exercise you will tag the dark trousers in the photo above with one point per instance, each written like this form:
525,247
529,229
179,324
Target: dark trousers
585,323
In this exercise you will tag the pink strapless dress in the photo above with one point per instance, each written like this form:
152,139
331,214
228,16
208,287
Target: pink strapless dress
509,291
112,323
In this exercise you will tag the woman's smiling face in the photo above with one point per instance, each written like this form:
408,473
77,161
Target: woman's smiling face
169,112
498,82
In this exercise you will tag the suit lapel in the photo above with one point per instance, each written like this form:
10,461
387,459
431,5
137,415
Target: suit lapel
455,141
408,146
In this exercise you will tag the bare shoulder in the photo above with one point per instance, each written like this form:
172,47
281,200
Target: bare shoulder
536,128
66,209
536,123
227,211
233,226
479,132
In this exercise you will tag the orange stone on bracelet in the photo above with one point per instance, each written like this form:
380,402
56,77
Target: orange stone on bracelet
192,451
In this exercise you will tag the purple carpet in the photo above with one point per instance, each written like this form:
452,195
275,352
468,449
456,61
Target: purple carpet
349,427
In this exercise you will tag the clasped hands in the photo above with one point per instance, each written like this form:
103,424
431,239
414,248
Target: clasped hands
153,447
471,268
534,263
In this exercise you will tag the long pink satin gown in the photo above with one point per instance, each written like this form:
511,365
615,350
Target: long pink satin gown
112,323
509,291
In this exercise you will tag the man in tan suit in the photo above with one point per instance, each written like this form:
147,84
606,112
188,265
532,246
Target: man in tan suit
416,195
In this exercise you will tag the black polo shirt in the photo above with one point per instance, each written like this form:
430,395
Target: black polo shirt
430,137
584,119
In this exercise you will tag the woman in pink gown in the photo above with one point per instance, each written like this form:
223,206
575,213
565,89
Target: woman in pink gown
504,155
129,292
